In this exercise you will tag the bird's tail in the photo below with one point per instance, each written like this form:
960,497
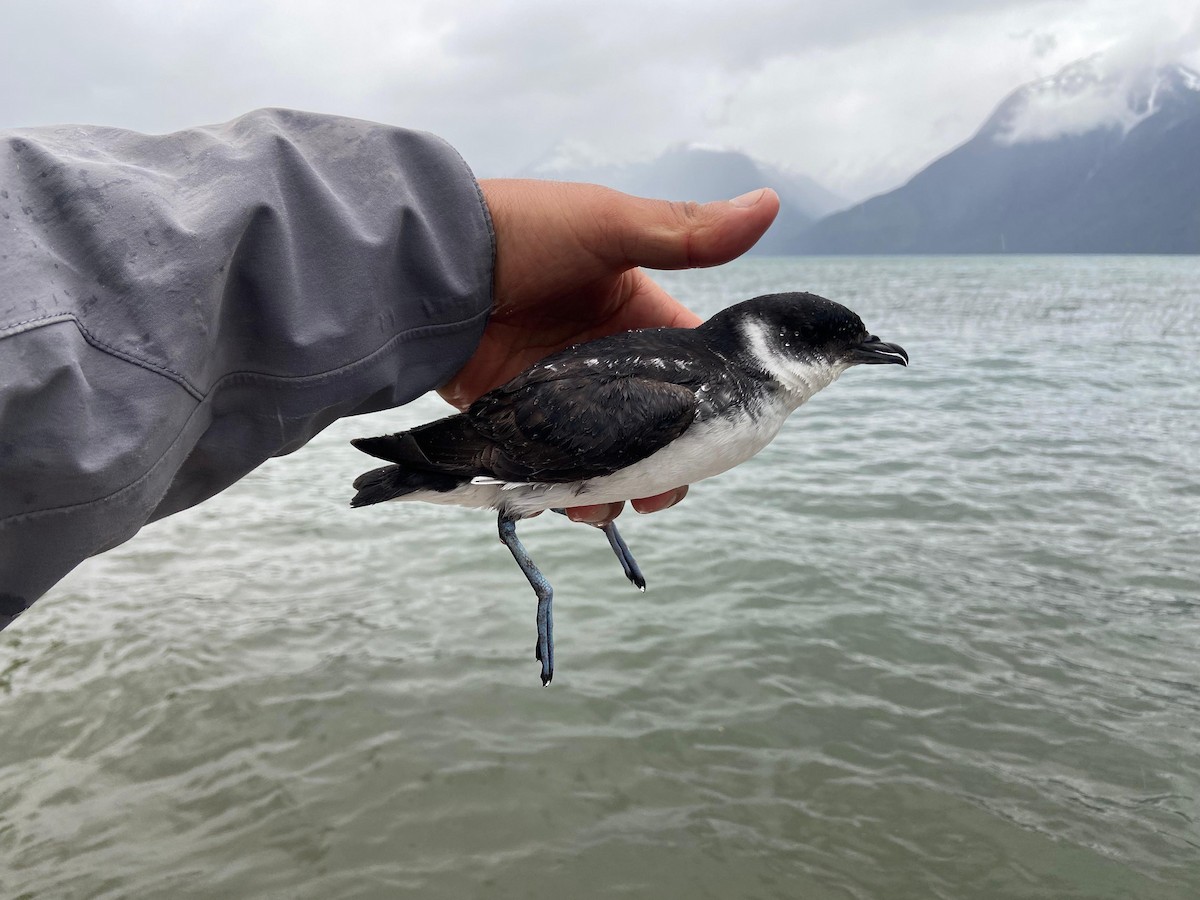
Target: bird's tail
393,482
436,457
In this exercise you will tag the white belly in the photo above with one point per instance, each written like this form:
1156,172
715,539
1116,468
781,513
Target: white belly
704,450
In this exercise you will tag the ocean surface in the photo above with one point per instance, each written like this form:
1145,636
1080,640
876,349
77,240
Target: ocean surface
941,639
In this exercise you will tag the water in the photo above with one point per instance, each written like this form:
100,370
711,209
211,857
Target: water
939,640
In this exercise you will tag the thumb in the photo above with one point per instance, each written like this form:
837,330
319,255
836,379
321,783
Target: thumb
661,234
555,236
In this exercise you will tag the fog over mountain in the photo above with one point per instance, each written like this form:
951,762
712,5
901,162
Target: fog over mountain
1102,157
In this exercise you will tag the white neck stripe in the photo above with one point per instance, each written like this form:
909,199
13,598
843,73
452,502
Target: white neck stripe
799,377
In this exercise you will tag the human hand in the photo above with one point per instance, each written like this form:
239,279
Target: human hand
567,271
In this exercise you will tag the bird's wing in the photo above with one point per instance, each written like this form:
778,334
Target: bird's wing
573,428
584,412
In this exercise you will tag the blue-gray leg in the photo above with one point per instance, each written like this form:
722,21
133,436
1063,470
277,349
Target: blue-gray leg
544,650
632,571
628,563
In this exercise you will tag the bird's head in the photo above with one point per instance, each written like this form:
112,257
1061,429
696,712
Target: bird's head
803,341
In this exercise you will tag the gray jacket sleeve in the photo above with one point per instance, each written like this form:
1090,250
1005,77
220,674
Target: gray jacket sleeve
176,309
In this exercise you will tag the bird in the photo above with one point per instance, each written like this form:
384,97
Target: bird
629,415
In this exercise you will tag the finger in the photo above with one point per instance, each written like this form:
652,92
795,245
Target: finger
665,235
649,306
659,502
551,234
600,514
642,304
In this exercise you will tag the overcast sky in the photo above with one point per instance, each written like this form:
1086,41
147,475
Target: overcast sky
858,94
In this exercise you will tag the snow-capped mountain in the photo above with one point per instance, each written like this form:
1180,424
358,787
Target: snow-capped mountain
1099,157
696,172
1090,95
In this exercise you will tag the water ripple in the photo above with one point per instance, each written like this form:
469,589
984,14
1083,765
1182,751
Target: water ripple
939,640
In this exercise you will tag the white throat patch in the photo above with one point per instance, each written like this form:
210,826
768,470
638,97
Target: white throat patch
800,377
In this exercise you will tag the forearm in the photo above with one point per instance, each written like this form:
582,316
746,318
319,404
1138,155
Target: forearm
175,310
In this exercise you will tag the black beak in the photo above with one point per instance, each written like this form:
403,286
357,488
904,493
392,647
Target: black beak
876,352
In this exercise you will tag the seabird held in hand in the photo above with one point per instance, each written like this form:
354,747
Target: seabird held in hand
625,416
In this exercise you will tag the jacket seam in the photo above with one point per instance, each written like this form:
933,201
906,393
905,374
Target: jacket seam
17,328
281,380
401,337
166,372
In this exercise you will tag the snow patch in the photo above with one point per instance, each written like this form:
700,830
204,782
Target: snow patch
1082,98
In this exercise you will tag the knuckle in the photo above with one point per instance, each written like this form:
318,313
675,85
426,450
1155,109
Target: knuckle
687,212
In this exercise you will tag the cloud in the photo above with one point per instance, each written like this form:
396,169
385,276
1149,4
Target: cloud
859,93
1114,89
1044,45
1079,101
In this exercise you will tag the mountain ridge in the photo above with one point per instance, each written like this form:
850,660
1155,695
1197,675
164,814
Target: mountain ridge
1084,161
